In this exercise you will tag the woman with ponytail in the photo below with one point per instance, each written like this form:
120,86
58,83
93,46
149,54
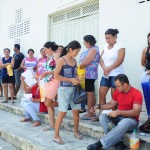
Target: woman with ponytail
65,72
111,61
51,84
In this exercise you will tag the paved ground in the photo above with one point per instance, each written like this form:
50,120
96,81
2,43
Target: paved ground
5,146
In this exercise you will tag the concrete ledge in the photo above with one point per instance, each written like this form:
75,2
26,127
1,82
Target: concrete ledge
18,142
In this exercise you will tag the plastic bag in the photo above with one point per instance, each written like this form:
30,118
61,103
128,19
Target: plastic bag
42,90
81,75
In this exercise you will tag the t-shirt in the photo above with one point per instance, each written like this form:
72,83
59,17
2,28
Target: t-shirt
36,94
110,56
126,100
18,59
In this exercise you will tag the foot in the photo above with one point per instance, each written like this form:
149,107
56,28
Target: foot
94,146
82,110
94,119
25,119
78,136
36,123
5,101
48,128
58,140
13,98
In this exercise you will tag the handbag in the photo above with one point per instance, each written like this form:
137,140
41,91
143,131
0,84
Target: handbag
80,96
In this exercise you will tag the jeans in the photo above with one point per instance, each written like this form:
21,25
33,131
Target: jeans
114,135
31,110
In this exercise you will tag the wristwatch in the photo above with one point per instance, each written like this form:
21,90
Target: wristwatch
98,106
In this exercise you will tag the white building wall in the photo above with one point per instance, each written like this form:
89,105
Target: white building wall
132,20
37,11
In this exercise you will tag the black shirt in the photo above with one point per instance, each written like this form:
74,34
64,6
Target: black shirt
18,59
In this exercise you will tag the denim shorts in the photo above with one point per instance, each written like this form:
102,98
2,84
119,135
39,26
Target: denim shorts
17,76
109,82
65,97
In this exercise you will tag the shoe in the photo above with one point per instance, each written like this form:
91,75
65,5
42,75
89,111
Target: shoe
14,98
120,146
94,146
5,101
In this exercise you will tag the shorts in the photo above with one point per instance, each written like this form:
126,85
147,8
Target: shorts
89,85
51,89
9,79
109,82
65,97
17,74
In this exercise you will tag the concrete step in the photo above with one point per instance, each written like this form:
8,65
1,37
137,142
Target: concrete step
86,127
25,137
6,146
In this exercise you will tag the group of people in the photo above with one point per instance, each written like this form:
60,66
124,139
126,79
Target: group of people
57,67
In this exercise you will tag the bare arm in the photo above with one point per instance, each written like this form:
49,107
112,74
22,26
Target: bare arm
101,61
2,65
143,58
12,63
57,75
22,65
88,59
25,88
120,59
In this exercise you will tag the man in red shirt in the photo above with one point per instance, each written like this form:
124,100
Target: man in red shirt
126,118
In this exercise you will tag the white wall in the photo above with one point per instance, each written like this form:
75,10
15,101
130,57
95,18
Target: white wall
132,20
37,11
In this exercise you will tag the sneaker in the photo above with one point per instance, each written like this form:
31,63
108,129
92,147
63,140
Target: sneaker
94,146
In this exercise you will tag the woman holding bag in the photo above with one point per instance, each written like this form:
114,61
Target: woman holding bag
65,72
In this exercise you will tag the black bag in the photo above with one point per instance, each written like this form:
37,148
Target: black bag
80,96
145,127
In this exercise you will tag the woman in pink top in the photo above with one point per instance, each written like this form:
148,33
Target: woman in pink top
41,61
29,62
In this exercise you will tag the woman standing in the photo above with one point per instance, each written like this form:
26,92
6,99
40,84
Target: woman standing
111,61
51,84
30,62
41,61
89,60
8,79
145,60
65,72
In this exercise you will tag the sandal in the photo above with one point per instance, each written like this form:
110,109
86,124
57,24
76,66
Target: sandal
85,118
82,110
5,101
25,119
48,129
78,136
58,142
94,119
36,123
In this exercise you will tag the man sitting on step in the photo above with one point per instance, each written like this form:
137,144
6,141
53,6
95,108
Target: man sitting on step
126,118
32,106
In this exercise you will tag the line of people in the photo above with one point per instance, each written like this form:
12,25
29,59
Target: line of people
58,69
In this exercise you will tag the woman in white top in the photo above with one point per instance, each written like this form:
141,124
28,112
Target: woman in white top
111,61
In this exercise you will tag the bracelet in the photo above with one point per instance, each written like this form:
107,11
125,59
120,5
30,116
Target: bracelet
99,106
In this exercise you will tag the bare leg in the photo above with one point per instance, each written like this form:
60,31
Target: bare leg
102,94
59,119
11,89
1,90
91,102
5,87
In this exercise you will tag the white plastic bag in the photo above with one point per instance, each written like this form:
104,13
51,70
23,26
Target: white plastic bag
42,90
145,77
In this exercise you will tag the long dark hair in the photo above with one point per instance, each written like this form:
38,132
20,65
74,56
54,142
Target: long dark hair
73,45
148,41
51,45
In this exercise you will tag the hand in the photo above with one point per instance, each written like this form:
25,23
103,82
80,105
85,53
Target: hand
43,75
113,114
106,71
34,68
22,78
75,81
93,109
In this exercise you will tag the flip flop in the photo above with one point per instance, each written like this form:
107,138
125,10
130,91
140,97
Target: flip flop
78,136
58,142
6,101
85,118
94,119
25,120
